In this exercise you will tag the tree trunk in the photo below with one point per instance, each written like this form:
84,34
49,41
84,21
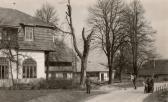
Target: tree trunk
110,71
135,69
120,74
47,65
11,72
83,72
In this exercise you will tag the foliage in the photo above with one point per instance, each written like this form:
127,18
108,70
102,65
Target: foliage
47,13
55,84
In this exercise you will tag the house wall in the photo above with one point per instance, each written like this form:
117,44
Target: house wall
98,76
38,56
105,75
43,39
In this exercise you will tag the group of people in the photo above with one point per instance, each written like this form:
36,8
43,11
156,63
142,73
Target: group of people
149,85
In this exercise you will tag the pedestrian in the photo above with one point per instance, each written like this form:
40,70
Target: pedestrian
88,85
133,79
151,85
146,85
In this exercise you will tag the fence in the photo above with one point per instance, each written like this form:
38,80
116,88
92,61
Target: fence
161,88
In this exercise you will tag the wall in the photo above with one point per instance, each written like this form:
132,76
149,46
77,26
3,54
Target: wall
42,39
105,74
38,56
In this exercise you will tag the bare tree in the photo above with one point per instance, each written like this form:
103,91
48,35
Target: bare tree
140,33
47,13
106,18
10,49
86,43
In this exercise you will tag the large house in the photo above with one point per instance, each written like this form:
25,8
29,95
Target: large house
27,39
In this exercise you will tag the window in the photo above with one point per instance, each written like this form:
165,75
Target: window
3,68
59,75
29,33
29,69
69,75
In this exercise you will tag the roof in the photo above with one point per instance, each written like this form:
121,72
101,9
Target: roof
13,17
159,66
62,54
93,67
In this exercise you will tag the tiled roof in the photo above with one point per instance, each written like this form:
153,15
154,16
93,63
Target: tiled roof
93,67
13,17
62,54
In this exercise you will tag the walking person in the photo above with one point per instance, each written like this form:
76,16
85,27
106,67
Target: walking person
88,85
133,79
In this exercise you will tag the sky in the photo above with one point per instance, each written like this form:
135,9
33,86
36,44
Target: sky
156,12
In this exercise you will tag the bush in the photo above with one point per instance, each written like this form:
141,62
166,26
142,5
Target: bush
55,84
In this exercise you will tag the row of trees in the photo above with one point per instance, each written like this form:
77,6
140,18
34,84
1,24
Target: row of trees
118,28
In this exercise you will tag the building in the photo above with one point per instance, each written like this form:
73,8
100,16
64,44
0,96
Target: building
158,68
27,41
96,71
62,62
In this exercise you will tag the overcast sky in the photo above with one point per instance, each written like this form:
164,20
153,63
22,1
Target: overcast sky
156,13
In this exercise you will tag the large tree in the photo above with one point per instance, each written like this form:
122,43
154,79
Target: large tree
47,13
140,34
86,38
106,19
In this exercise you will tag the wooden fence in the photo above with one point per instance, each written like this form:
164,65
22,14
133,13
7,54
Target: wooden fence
161,88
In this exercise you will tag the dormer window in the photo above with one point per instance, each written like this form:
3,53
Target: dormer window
29,34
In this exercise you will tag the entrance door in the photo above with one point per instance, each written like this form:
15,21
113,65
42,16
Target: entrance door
102,76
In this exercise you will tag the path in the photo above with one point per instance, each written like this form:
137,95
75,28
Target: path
122,95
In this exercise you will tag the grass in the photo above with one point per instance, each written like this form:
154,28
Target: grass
157,97
57,95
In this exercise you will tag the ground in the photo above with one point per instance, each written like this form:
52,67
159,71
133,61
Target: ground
106,93
123,95
44,95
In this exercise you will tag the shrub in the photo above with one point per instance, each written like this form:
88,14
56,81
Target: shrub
55,84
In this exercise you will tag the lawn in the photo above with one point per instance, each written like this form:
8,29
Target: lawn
157,97
55,95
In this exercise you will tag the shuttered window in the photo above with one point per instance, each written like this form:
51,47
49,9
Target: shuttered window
29,69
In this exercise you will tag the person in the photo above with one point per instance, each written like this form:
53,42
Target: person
146,85
151,85
133,79
88,85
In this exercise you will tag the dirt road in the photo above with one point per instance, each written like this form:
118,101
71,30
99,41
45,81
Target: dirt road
123,95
